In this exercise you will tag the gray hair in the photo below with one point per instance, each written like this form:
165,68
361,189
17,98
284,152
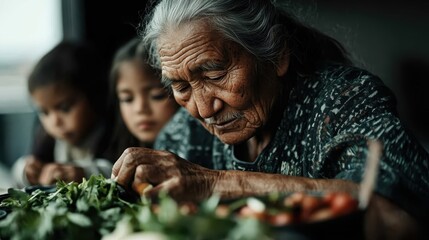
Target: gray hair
262,27
253,24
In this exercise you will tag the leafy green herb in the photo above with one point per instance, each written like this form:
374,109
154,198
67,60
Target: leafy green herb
94,210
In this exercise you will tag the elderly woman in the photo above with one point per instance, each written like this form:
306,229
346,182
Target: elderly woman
287,110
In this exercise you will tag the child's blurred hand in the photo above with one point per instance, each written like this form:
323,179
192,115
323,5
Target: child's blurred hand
32,169
52,172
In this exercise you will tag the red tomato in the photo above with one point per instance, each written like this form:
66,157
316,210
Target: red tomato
328,197
295,199
321,214
343,203
281,219
309,205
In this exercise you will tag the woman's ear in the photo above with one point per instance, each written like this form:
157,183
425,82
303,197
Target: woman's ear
283,63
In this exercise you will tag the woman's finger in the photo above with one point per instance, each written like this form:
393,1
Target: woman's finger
170,186
130,159
118,164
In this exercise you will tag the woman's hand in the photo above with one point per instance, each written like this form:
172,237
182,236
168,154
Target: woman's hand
149,171
52,172
161,171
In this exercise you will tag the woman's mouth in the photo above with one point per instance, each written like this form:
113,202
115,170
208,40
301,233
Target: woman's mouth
225,124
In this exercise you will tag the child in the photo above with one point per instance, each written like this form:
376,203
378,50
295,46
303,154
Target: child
69,90
145,106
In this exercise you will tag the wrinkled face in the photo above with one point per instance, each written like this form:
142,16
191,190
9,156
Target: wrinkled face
217,81
64,113
144,103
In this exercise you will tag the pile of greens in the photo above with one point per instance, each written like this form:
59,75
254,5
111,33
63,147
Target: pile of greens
93,209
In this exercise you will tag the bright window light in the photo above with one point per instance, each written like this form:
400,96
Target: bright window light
28,29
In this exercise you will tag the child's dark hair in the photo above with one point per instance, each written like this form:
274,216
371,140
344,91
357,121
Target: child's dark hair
131,51
75,65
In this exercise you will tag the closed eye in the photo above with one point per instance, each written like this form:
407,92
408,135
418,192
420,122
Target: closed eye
66,106
125,97
158,94
212,70
42,112
214,76
180,86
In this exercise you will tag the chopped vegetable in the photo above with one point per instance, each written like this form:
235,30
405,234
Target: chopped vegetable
96,209
93,209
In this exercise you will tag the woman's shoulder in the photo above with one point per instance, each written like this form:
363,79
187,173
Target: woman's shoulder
348,88
345,73
332,79
345,80
343,87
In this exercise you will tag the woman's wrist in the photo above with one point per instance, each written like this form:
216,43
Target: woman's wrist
233,184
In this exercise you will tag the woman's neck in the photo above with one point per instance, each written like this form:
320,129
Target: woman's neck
250,150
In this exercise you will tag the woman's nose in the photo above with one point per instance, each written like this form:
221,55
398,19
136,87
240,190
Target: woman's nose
207,104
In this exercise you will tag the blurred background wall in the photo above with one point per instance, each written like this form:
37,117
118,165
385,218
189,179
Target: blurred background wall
389,38
28,29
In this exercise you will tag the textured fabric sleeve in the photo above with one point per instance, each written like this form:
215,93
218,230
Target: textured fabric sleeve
18,172
187,138
364,110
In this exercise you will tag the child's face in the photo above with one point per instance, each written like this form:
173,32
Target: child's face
64,113
144,103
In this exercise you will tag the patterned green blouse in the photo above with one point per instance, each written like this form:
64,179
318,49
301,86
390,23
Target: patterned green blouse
323,134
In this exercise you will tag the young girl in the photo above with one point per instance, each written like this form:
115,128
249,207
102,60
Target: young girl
145,106
69,90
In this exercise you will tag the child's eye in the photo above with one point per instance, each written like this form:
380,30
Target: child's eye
125,99
158,97
42,112
66,106
158,94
